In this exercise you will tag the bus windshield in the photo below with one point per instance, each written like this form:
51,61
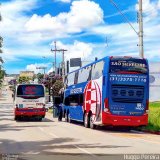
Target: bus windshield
30,91
128,65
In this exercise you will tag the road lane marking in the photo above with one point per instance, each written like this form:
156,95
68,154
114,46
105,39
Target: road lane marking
85,151
51,134
81,149
41,129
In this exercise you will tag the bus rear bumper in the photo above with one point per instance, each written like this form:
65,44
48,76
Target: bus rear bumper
114,120
30,112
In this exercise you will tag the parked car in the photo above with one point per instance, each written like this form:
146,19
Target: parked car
48,105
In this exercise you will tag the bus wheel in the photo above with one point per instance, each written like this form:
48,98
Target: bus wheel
69,118
66,117
92,125
86,120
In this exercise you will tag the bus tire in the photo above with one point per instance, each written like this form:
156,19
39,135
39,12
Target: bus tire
92,125
69,118
86,121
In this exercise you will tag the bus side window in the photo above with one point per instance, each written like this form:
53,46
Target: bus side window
76,78
90,71
80,99
70,79
97,70
66,80
74,100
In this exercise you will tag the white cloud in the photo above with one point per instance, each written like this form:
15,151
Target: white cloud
36,67
150,9
13,15
159,4
64,1
83,14
29,33
76,50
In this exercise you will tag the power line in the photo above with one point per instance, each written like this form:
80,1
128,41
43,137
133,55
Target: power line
126,19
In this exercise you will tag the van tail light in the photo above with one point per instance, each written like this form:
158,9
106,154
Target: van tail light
106,106
44,109
147,107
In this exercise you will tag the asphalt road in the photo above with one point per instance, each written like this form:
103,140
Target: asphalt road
51,137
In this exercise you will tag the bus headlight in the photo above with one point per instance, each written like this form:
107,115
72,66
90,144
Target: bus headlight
106,109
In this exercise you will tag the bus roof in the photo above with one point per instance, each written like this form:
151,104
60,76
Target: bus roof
107,57
89,64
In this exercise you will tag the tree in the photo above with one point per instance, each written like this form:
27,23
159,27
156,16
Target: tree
1,39
1,60
40,77
53,81
2,74
57,86
24,79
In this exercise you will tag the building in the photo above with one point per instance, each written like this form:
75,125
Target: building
154,81
29,74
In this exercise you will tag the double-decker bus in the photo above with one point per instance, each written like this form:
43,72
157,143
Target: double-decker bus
110,91
29,101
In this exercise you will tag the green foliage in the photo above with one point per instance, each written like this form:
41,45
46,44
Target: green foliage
40,77
154,117
57,86
1,42
2,74
154,105
24,79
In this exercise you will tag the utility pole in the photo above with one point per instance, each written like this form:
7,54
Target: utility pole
63,63
55,51
44,68
140,20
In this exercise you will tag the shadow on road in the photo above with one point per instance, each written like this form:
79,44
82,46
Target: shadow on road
67,156
116,129
9,127
54,146
26,119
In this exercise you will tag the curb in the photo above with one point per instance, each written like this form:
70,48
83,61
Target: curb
153,132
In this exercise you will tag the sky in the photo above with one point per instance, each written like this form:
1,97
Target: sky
85,28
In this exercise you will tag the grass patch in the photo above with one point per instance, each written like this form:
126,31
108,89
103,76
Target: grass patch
154,117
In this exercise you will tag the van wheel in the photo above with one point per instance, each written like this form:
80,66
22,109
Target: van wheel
92,125
40,119
86,121
16,118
